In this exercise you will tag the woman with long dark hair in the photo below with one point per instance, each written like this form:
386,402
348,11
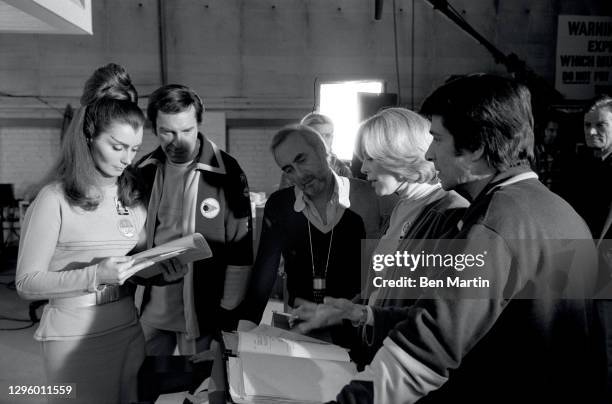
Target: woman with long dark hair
74,242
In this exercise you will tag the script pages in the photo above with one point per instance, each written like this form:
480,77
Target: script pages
276,366
185,249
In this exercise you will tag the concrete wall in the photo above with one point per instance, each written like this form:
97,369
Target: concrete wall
257,61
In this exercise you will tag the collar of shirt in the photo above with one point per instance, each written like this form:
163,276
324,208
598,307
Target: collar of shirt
413,199
208,159
416,191
335,207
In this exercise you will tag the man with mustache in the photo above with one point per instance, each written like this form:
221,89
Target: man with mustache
316,225
196,188
593,199
325,126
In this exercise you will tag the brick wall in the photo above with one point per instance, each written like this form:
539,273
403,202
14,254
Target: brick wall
26,155
250,146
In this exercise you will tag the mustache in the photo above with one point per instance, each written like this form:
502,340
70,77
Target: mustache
306,180
173,148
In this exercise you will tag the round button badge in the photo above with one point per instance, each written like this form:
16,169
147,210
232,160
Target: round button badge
126,227
209,208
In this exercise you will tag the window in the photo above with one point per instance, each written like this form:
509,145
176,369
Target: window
339,102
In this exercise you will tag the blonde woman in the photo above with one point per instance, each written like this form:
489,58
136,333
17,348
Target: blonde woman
392,146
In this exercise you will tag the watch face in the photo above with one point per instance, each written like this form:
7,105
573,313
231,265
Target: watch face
363,317
318,284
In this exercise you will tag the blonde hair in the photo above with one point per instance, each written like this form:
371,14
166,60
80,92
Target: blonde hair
397,139
321,123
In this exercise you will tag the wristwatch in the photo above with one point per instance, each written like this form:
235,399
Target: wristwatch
363,317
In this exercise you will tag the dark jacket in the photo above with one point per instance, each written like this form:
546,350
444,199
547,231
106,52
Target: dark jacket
587,189
223,216
285,232
510,347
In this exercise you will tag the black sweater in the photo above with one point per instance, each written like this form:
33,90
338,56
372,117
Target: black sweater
285,231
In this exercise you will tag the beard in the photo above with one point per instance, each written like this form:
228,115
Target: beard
313,185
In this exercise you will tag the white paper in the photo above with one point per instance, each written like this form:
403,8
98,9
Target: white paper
266,344
203,386
186,249
298,379
172,398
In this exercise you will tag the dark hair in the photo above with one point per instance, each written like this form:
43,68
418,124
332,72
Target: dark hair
108,98
492,112
172,99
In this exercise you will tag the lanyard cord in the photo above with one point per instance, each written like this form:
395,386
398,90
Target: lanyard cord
312,255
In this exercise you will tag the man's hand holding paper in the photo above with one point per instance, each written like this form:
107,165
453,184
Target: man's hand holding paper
331,312
172,257
172,270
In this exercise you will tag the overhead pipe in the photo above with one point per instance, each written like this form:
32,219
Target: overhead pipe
378,7
163,54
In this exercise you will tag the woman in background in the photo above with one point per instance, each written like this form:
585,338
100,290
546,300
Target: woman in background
73,247
392,146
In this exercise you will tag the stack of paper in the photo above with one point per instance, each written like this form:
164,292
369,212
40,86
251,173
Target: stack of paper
286,369
185,249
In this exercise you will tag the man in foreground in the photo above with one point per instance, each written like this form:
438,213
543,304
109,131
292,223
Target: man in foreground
196,188
520,342
317,226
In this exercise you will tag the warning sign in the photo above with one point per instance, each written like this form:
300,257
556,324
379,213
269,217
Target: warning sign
584,56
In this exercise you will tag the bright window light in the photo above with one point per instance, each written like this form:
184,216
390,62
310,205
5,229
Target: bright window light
339,102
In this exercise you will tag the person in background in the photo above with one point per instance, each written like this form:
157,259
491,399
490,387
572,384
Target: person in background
459,346
325,126
549,155
316,225
592,169
597,171
74,242
392,146
196,188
